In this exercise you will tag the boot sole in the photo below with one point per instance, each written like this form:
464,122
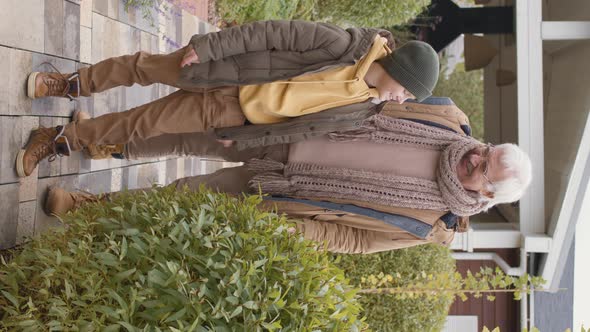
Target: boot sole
31,85
20,170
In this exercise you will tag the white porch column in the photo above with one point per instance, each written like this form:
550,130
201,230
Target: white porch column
530,110
559,30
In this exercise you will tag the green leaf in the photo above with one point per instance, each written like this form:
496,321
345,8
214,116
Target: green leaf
128,326
11,298
118,209
233,300
236,312
179,314
251,305
124,275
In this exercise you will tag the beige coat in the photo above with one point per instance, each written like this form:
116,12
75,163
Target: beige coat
345,232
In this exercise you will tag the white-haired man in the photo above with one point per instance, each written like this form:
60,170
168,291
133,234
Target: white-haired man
405,175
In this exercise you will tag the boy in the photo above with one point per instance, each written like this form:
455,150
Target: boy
263,72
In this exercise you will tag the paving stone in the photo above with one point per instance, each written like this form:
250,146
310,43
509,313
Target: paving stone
190,27
4,80
147,175
129,178
188,166
44,222
85,44
116,179
155,45
20,68
111,45
26,221
95,182
125,16
24,30
10,144
171,171
161,166
86,13
113,9
137,95
28,185
145,42
98,22
210,166
135,40
54,27
68,164
109,101
204,27
85,104
71,38
9,215
53,106
145,23
100,6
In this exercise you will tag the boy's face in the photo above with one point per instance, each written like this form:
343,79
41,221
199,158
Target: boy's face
390,90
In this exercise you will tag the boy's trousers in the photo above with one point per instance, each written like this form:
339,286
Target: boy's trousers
180,112
229,180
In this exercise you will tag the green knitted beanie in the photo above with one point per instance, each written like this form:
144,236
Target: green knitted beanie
415,66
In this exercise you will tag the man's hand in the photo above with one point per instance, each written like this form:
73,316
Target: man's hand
189,57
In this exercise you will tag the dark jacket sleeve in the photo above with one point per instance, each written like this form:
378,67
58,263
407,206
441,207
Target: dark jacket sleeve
294,36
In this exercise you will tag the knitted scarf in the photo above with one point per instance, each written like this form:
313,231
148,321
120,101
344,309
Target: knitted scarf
315,181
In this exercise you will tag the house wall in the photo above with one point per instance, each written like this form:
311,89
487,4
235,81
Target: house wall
503,312
567,100
566,87
566,110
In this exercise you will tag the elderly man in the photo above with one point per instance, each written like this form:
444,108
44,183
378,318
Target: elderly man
405,175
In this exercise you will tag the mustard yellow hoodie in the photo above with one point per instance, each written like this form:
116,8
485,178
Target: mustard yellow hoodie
311,93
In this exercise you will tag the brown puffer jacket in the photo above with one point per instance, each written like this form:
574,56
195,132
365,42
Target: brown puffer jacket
267,51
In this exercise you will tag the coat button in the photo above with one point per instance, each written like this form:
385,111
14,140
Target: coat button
267,133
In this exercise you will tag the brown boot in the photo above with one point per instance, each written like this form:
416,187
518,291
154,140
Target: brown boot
101,151
42,84
59,201
43,143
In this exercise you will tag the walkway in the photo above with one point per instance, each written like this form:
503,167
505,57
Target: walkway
71,34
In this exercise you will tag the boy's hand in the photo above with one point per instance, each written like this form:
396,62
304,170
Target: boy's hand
226,142
189,57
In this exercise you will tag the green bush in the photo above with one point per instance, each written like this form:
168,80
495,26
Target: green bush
374,14
341,12
244,11
175,261
386,313
466,90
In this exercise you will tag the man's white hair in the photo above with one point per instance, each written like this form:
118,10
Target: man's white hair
517,165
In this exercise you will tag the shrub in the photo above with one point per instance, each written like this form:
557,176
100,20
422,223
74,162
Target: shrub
244,11
386,313
465,88
175,261
375,14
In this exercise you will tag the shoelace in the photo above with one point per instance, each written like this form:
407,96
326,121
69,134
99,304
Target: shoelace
51,146
61,86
